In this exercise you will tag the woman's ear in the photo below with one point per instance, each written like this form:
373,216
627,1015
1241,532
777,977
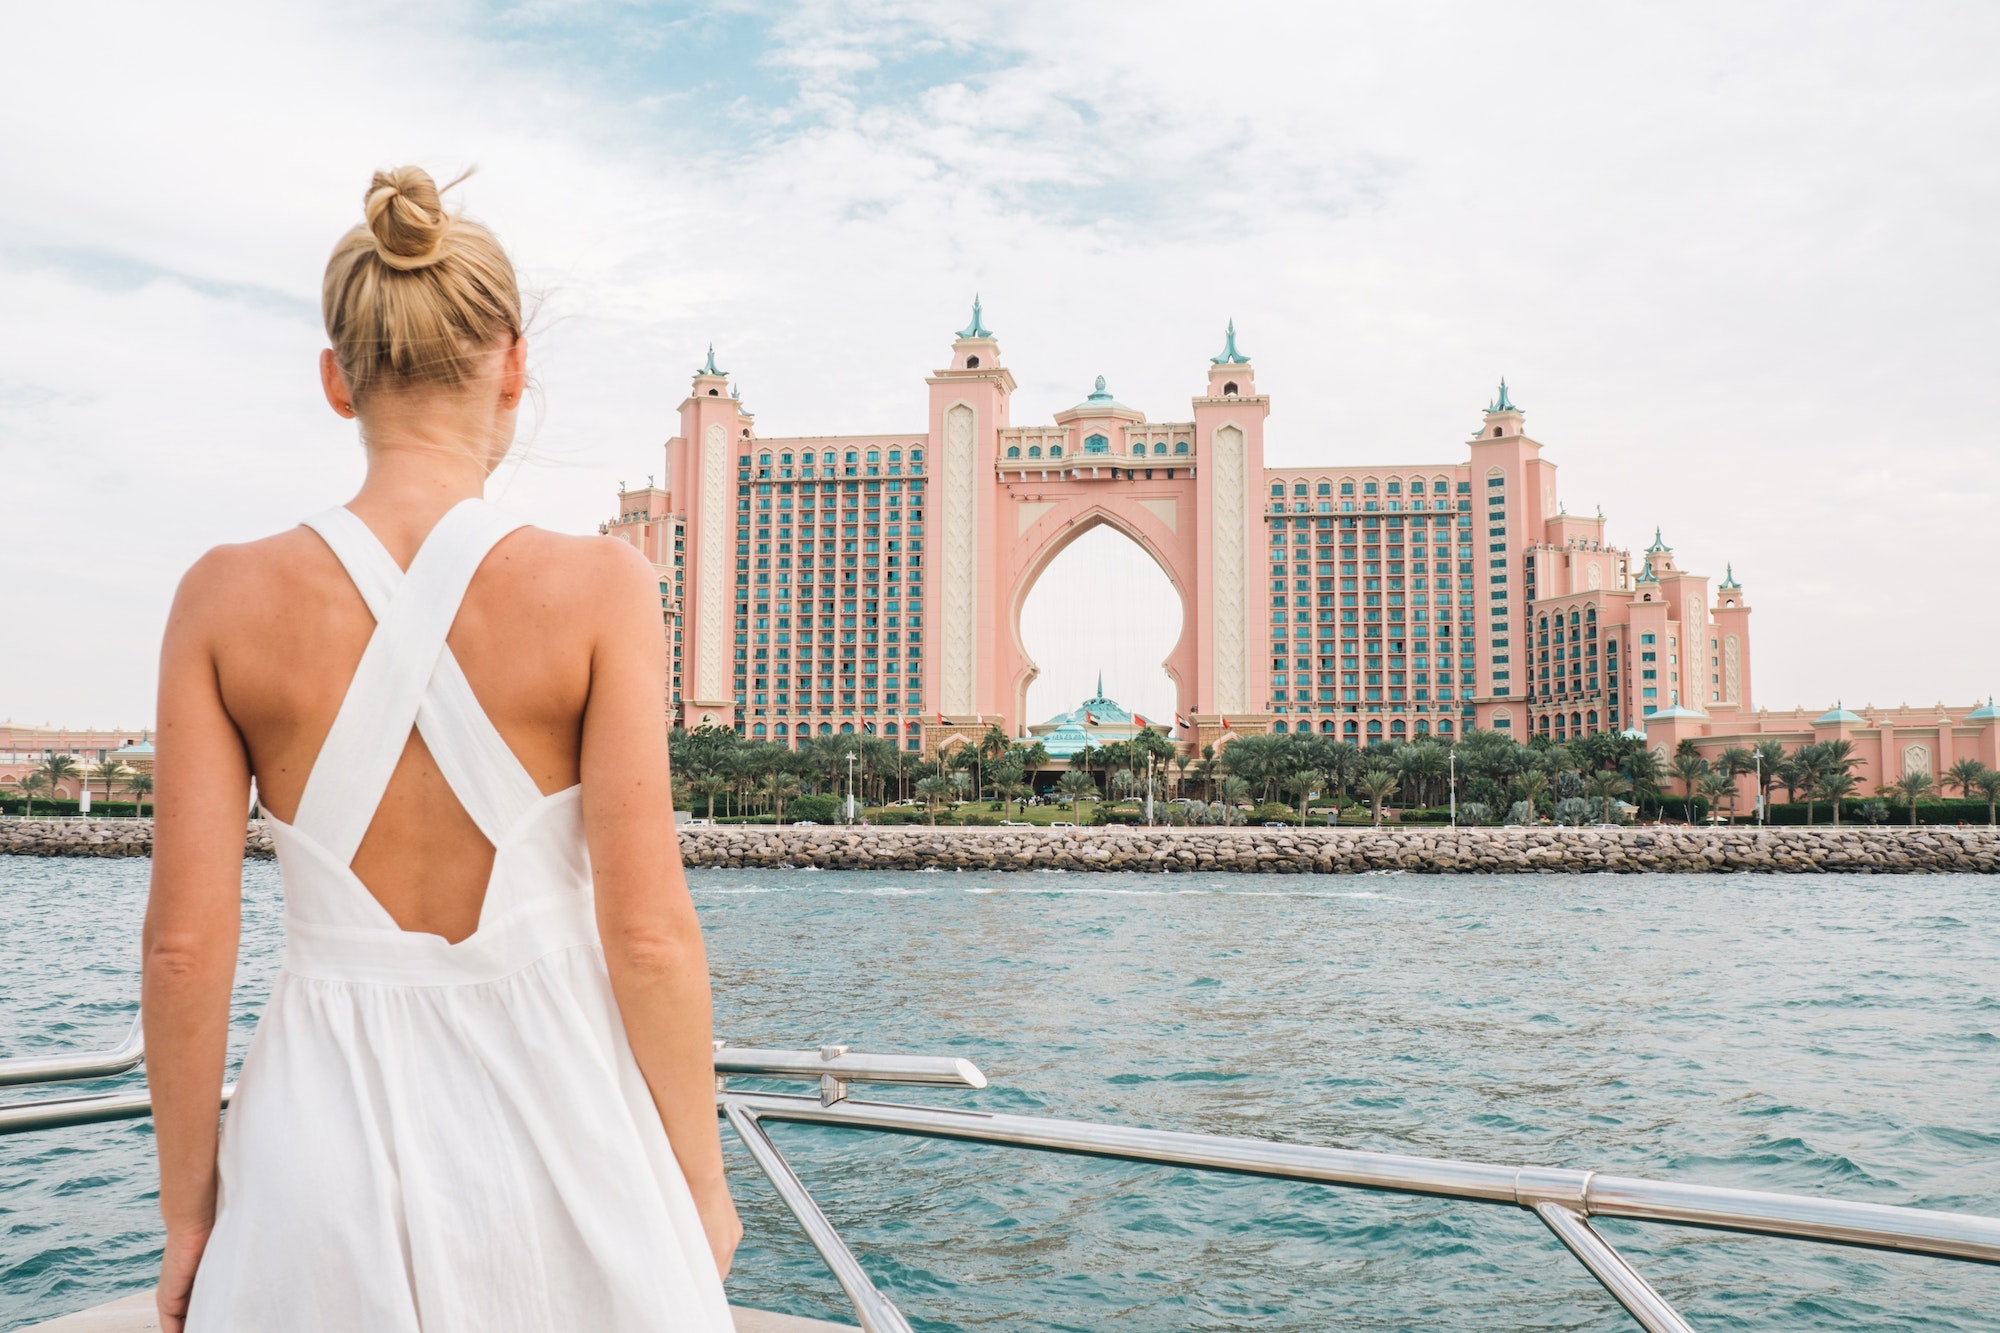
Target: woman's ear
514,373
334,384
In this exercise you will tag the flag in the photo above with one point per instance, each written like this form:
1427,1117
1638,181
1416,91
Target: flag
1089,718
1222,722
941,721
1182,723
1143,723
868,727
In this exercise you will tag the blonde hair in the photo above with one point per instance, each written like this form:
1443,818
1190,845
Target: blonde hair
415,295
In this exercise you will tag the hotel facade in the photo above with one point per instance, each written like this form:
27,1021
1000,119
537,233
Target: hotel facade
873,584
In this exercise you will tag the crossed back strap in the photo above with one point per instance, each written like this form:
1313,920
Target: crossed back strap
408,677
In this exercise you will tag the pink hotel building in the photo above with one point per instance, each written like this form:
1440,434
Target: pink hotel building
830,584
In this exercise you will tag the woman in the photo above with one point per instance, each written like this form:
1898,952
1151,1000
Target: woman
480,1097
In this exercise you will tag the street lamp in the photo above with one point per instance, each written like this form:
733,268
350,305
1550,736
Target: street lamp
1451,765
1758,756
850,786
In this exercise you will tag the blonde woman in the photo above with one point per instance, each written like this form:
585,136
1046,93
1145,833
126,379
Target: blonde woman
480,1096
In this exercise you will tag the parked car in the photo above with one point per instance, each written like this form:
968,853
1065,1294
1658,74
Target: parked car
1060,823
805,823
1016,823
1276,823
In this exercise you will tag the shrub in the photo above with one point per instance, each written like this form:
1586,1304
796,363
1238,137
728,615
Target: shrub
821,809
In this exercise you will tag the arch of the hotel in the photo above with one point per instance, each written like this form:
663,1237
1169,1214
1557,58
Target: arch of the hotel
1024,563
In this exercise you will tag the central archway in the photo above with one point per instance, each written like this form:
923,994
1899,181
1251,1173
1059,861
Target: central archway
1050,540
1101,609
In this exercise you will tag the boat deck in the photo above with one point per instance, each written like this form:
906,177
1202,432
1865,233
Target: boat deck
134,1314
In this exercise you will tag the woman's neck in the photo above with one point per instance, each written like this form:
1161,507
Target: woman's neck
411,484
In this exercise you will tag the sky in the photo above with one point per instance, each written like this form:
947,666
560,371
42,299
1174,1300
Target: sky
1735,261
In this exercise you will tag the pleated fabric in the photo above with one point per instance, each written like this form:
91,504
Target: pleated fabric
452,1138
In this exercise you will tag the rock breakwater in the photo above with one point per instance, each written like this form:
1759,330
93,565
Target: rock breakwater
1486,851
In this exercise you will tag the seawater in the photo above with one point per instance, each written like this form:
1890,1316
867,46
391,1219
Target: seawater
1835,1035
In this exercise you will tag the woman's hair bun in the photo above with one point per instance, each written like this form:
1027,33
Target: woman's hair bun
406,217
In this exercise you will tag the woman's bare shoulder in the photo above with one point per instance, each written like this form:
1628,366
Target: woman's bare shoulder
240,578
593,570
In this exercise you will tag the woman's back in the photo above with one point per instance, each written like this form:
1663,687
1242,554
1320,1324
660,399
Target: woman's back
294,630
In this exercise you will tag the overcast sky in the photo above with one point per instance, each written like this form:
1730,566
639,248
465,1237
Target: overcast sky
1736,261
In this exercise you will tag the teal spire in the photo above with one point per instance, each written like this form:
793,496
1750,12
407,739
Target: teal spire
710,369
1100,684
976,329
1729,576
1659,543
1502,403
1230,356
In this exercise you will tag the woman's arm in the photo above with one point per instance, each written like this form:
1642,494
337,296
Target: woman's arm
192,921
652,941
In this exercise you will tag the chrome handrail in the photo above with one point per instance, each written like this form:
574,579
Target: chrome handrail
21,1070
1563,1199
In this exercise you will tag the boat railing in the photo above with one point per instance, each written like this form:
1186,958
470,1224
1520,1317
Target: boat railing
1564,1199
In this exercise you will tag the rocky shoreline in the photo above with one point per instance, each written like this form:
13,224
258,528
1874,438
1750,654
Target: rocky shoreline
1486,851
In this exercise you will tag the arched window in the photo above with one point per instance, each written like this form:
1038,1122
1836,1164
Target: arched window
1013,451
1159,446
889,729
972,363
1180,446
763,460
874,455
1496,430
1326,727
1034,451
895,455
785,458
1396,727
783,730
847,728
1444,726
1278,727
1593,717
1055,451
807,460
1229,389
1096,444
758,730
850,455
1423,726
1139,448
826,728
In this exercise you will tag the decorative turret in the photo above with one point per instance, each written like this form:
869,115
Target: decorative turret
1659,544
1838,716
1100,403
977,328
710,381
1729,583
1984,714
1230,356
973,347
1501,417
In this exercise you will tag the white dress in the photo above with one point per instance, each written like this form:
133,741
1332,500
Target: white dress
433,1136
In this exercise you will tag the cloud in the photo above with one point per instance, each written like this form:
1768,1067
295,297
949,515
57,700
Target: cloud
1733,260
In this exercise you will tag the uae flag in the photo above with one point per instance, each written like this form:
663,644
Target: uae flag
1222,722
1141,720
868,727
941,721
1182,723
1089,718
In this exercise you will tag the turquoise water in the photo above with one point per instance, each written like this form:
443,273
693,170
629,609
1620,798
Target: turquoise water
1819,1034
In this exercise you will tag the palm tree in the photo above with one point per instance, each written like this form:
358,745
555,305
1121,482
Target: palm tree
1690,768
780,787
1834,785
58,769
1378,785
930,791
991,746
1076,786
1770,757
1963,775
1913,787
1643,770
1531,786
1987,784
32,785
108,771
1303,784
710,785
1717,787
139,785
1233,791
1605,786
